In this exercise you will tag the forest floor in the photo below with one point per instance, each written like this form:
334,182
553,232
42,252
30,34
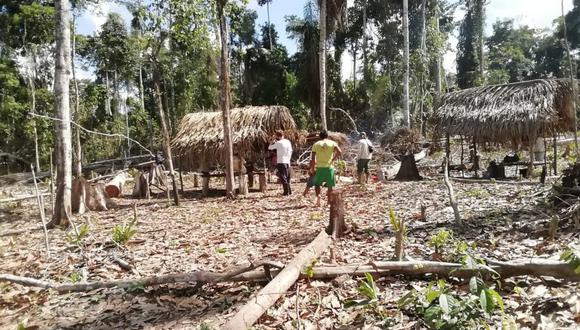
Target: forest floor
502,221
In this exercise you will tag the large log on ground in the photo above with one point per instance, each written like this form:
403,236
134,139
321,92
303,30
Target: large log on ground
266,297
114,188
534,267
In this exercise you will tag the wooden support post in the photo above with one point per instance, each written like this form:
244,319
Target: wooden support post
204,178
475,158
555,160
181,178
195,180
462,156
250,179
262,182
336,225
268,296
532,142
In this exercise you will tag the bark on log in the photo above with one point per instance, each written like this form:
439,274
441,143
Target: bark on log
266,297
336,225
87,195
534,267
114,188
262,182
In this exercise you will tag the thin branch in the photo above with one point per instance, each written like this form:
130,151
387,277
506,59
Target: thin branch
95,132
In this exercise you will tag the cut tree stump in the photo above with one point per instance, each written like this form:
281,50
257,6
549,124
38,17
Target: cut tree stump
114,188
262,182
88,195
336,225
268,296
141,187
408,170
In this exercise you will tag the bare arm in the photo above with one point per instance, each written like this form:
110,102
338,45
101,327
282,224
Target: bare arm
337,153
312,163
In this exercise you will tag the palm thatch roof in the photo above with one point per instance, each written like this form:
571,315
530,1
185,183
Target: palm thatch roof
201,134
500,113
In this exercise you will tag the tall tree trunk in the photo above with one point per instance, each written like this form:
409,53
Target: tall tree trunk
62,212
31,84
165,132
481,11
437,64
354,54
322,63
573,84
422,89
406,114
269,24
78,149
365,46
108,95
225,100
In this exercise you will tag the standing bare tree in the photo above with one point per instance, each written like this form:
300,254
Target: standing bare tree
62,213
322,63
331,15
78,149
267,3
225,99
406,114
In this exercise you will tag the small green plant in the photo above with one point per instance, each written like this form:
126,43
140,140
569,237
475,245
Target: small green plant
76,239
75,277
221,250
448,247
135,288
368,289
123,233
440,240
572,257
400,229
205,326
477,193
310,269
21,326
441,308
210,214
316,216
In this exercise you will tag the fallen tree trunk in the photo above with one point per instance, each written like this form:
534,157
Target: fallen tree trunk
266,297
114,188
506,269
22,198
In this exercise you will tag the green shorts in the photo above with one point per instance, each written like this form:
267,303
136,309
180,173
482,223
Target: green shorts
324,175
362,165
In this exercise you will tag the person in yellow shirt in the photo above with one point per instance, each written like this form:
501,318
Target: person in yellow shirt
324,152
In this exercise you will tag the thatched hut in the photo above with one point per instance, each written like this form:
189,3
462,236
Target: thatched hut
200,135
515,112
502,113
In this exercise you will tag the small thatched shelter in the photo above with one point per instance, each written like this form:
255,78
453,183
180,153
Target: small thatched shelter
200,135
509,112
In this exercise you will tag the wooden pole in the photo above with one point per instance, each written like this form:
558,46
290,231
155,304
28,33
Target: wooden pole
268,296
555,160
41,209
447,147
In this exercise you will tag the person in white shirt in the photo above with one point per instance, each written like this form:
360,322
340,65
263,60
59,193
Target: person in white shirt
364,155
283,149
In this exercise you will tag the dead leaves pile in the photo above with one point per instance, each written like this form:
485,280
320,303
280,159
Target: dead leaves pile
504,221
